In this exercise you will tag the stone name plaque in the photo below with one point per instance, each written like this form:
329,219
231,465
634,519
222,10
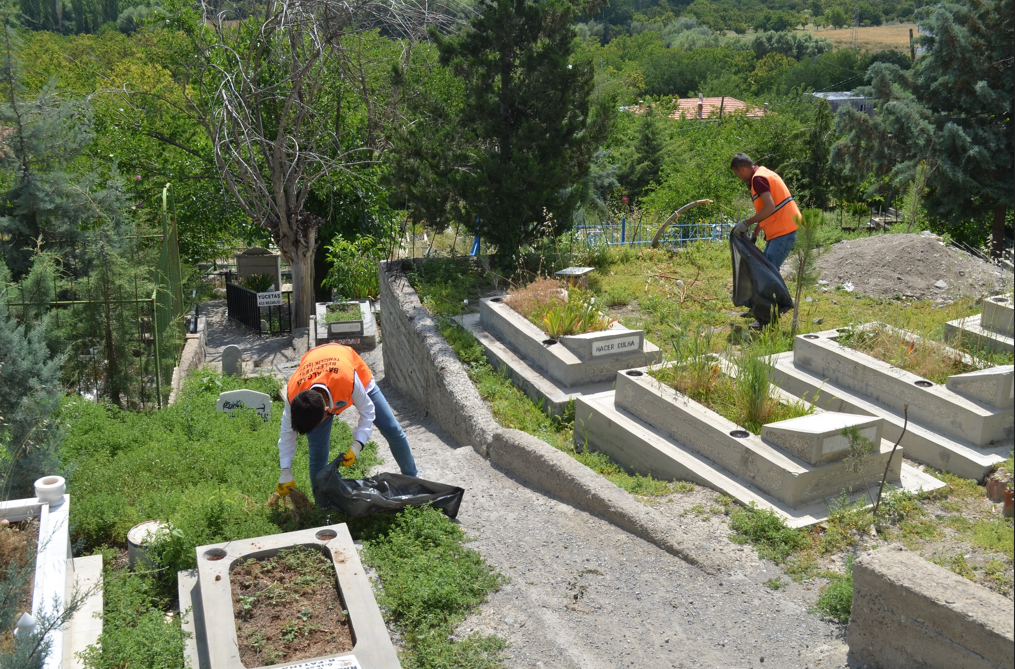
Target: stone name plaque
235,399
616,345
346,662
345,327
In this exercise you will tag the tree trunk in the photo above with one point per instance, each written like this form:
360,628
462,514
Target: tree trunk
302,262
997,231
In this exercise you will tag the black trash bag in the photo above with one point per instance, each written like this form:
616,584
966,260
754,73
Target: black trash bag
384,493
757,283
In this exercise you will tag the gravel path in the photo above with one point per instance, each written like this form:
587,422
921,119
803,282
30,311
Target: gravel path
257,350
584,594
907,265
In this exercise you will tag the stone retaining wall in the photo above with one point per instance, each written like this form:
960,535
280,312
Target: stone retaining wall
191,358
909,613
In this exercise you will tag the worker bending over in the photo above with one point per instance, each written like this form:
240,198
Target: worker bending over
776,211
329,380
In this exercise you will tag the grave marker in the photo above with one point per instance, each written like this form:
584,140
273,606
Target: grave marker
234,399
232,358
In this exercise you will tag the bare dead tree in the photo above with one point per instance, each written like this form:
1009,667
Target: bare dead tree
289,97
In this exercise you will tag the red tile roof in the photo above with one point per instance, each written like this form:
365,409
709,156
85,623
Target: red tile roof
688,108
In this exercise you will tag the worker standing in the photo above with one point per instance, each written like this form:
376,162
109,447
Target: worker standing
776,212
329,380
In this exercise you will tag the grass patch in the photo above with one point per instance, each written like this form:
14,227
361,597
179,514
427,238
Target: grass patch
210,476
776,583
340,313
921,357
766,531
836,599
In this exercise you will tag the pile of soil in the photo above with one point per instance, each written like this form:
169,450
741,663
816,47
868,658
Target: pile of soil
287,608
907,265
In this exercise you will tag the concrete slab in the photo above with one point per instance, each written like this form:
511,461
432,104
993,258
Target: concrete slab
372,649
998,315
643,449
978,338
931,405
744,455
909,613
83,579
994,386
571,361
818,438
195,646
923,444
552,396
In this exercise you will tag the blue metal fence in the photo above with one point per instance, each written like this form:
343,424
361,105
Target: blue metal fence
678,235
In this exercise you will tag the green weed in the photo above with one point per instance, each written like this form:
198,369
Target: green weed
836,600
996,534
766,531
776,583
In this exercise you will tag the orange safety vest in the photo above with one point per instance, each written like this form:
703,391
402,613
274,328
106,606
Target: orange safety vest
334,366
783,220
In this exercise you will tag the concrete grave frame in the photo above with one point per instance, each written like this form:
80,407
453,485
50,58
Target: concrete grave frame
792,468
361,337
992,330
960,433
59,576
554,371
207,593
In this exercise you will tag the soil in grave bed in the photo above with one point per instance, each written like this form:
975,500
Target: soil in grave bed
338,313
288,608
18,544
923,358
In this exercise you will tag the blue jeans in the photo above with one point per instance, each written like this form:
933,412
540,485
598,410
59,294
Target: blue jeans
319,439
778,249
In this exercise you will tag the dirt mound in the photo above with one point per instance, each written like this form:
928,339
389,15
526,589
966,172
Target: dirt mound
910,265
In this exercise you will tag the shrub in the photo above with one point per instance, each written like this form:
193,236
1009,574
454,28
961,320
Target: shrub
766,531
836,600
353,271
578,315
259,283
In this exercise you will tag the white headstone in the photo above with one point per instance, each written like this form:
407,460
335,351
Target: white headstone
251,399
232,358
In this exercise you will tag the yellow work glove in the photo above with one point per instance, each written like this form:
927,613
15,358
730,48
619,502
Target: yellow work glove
286,484
349,459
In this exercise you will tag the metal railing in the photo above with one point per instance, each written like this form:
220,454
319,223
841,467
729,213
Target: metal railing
241,305
677,235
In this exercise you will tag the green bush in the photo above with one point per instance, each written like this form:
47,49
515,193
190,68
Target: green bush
766,531
430,582
259,283
836,600
353,271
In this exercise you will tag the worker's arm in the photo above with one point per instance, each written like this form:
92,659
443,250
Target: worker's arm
365,406
767,209
286,439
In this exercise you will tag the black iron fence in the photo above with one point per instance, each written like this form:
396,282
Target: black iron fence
243,307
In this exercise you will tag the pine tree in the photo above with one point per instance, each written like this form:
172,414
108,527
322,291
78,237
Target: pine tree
43,199
953,111
648,157
531,115
30,394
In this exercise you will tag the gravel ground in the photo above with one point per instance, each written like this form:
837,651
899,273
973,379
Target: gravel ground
908,265
584,594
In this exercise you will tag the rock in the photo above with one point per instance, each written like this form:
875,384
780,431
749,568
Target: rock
809,299
822,283
819,321
941,284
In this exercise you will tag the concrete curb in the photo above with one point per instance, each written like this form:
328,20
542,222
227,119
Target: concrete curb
193,356
420,364
544,467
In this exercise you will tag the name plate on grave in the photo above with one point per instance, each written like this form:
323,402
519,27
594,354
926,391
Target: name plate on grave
347,662
271,298
615,345
237,399
345,327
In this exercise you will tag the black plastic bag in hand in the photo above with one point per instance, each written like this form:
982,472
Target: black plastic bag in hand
384,493
757,283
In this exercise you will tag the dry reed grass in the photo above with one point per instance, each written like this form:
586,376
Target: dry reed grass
292,506
531,300
923,358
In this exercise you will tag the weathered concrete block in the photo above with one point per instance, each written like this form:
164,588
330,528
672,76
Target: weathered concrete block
995,385
998,314
930,404
909,613
744,455
372,647
575,360
818,438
